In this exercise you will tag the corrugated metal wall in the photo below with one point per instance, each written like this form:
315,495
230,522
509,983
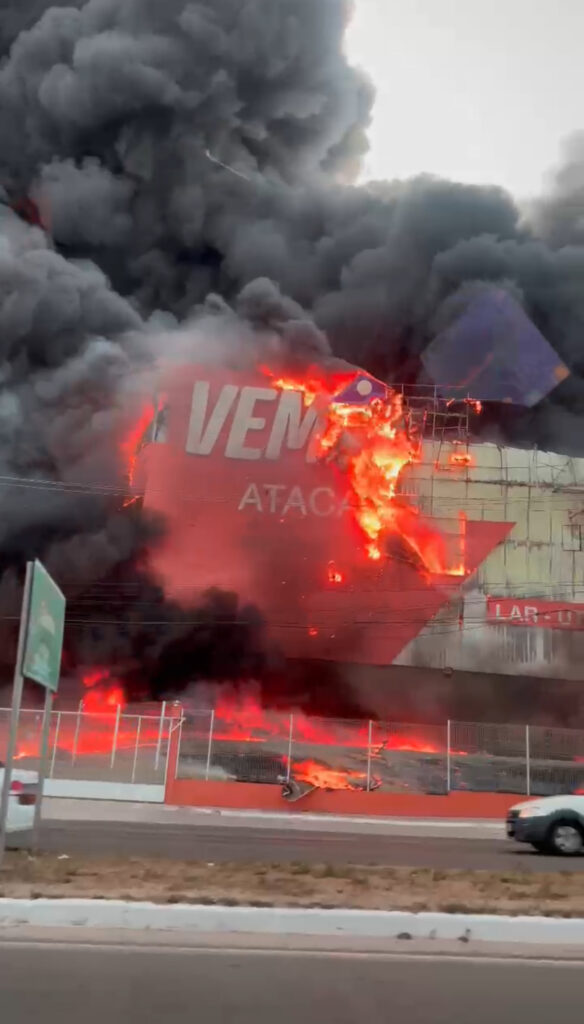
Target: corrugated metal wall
542,494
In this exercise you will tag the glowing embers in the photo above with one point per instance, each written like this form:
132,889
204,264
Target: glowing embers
459,458
462,459
334,574
474,404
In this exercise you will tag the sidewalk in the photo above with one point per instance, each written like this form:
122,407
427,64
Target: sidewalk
57,809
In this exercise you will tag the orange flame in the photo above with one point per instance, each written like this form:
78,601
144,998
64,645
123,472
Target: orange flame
27,750
461,459
475,405
131,443
370,442
316,381
323,777
92,734
104,694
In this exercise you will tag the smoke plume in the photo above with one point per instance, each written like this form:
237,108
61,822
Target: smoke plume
156,154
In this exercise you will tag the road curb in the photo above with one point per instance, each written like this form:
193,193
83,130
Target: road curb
65,810
118,914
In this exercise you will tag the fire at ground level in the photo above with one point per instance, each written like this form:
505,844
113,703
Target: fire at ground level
240,741
232,735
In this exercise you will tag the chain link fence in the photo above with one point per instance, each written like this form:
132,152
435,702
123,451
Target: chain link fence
243,744
394,756
116,746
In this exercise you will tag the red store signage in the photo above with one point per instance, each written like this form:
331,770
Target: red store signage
529,612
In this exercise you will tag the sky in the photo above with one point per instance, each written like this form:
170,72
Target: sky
478,91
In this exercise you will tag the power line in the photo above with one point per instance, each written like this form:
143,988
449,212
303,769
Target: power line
317,624
332,588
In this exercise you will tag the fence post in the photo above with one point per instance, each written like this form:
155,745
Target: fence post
180,725
138,730
115,738
289,768
55,741
369,740
76,736
171,729
527,761
448,764
160,736
210,745
42,774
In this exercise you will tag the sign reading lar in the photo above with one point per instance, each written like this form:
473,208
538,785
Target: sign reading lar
542,614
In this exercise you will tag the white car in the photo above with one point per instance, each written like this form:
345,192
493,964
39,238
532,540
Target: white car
22,799
551,824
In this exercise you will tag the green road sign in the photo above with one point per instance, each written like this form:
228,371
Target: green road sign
43,644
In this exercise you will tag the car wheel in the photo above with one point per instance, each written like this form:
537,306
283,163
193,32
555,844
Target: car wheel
566,838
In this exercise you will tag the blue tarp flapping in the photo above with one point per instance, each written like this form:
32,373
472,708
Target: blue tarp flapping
495,353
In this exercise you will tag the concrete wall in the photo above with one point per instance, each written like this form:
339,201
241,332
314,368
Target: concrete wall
94,790
250,796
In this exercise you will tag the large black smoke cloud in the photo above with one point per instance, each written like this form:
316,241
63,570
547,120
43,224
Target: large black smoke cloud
179,149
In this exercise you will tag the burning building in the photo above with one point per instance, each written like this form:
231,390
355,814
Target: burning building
191,165
367,526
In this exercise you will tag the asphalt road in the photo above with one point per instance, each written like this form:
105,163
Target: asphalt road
222,843
61,983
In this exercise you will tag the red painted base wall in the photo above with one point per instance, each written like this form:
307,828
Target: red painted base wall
251,796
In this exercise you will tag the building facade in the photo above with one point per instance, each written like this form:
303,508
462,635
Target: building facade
250,509
523,609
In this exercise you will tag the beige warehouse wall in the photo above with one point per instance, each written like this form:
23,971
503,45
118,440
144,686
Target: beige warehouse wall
542,494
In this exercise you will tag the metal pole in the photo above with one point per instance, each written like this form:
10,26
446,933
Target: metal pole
448,764
527,761
160,735
36,827
369,755
180,725
289,769
57,728
210,746
17,688
136,748
115,739
170,732
76,736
